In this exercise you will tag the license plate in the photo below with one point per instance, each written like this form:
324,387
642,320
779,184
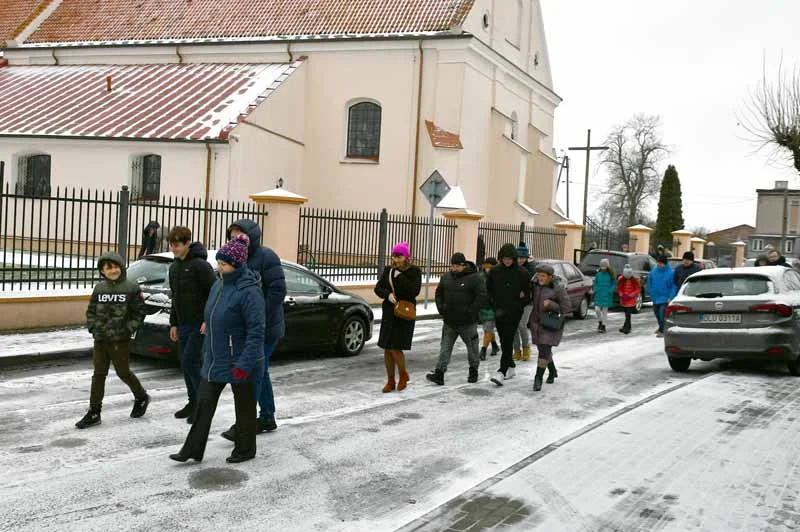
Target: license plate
721,318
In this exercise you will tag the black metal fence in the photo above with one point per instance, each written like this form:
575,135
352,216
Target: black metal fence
603,237
543,242
53,242
355,246
723,256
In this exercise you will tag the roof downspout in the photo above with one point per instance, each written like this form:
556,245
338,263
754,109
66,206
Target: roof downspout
53,53
178,53
206,197
416,139
289,51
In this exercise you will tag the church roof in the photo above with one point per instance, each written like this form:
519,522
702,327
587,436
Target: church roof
135,21
155,102
15,15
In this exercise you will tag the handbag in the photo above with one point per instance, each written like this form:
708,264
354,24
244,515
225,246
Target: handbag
552,321
404,310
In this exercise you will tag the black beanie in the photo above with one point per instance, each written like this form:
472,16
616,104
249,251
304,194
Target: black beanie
508,250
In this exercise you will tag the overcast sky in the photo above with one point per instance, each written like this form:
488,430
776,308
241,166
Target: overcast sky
691,62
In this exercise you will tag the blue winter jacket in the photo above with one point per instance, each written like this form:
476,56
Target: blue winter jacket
661,284
267,264
605,285
234,317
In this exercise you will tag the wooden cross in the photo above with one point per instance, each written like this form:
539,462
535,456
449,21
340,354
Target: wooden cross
588,149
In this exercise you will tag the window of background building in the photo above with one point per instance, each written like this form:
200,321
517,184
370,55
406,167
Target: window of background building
146,178
33,176
364,131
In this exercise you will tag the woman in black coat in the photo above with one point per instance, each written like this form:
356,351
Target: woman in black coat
396,333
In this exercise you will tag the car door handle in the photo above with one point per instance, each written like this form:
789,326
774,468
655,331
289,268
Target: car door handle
290,301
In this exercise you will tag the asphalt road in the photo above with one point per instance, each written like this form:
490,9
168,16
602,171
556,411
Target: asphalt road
619,442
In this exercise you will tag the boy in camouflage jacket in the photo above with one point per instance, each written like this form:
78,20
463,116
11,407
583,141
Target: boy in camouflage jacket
115,312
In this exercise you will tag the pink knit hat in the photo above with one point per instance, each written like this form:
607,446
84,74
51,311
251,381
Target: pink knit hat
402,248
235,251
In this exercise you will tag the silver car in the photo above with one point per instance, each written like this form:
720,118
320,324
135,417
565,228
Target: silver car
735,313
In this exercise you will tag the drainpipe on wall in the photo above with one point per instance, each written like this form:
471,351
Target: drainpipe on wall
416,139
178,53
207,199
289,51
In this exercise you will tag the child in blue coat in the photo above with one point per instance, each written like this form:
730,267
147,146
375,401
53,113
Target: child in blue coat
661,288
233,352
605,285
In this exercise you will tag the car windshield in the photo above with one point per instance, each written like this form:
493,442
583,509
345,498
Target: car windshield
148,271
591,262
726,285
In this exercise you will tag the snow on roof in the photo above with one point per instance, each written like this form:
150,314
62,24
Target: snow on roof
159,102
98,21
15,15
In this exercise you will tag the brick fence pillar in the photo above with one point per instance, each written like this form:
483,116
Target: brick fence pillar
282,227
573,240
698,247
466,238
639,235
681,242
739,258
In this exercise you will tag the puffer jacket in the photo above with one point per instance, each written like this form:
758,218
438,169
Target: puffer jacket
661,284
460,296
628,291
116,309
557,293
604,287
267,264
234,316
190,281
681,273
509,289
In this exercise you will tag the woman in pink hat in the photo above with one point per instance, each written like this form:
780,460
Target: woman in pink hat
399,282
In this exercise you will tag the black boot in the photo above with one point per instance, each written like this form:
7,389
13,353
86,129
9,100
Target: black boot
495,348
140,406
436,376
537,380
552,374
185,412
92,417
483,353
602,327
473,375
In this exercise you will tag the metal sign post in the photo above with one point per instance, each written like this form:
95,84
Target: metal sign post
435,189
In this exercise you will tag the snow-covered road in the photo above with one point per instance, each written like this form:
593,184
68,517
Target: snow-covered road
347,457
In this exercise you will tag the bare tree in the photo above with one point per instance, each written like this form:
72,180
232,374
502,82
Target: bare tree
634,151
772,114
700,231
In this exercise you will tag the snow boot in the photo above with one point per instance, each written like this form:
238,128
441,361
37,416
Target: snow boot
185,412
266,424
526,353
510,373
473,375
436,376
402,382
483,353
537,380
552,374
140,406
498,377
517,355
389,386
92,417
602,328
495,348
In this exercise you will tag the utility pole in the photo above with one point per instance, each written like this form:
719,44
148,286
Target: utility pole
564,166
785,220
588,149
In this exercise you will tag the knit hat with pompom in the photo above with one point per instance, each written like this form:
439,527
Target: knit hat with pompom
234,252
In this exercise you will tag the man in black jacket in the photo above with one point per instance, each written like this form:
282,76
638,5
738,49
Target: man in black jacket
190,280
509,290
459,297
686,268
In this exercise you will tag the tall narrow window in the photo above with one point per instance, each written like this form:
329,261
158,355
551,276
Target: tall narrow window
146,178
33,176
364,131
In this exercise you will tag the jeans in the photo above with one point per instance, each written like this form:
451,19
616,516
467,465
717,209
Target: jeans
522,338
103,355
506,328
245,407
263,386
468,334
190,345
659,309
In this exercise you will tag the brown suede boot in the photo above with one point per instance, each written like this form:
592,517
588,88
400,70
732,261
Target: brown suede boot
526,353
517,355
403,381
389,386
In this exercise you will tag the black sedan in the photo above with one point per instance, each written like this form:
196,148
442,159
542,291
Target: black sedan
319,316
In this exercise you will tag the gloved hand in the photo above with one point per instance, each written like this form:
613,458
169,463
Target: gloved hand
239,374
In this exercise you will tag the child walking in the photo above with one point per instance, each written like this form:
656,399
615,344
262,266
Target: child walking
487,314
628,288
115,312
605,285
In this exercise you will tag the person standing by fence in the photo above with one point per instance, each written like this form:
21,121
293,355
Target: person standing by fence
629,289
509,289
149,238
401,281
605,284
522,338
190,280
116,311
459,298
266,263
550,304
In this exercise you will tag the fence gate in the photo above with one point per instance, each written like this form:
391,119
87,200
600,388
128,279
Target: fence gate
544,243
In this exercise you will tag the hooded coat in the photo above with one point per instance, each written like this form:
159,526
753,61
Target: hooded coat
604,287
116,309
460,296
508,288
557,293
267,264
234,316
190,281
661,285
628,291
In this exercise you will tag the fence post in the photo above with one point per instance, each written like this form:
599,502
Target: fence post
282,229
2,186
123,211
521,232
383,235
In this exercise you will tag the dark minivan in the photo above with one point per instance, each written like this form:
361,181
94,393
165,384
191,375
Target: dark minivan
641,263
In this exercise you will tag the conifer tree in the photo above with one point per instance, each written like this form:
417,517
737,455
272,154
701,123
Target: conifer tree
670,208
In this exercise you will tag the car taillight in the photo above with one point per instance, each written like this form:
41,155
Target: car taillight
776,350
158,349
671,309
674,349
783,310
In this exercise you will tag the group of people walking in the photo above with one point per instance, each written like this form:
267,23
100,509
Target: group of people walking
227,325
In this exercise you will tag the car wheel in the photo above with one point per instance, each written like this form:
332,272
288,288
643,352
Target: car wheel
639,303
353,336
679,364
794,367
583,309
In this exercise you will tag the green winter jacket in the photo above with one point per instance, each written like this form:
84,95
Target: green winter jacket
116,309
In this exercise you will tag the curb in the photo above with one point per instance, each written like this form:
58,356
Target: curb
50,356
